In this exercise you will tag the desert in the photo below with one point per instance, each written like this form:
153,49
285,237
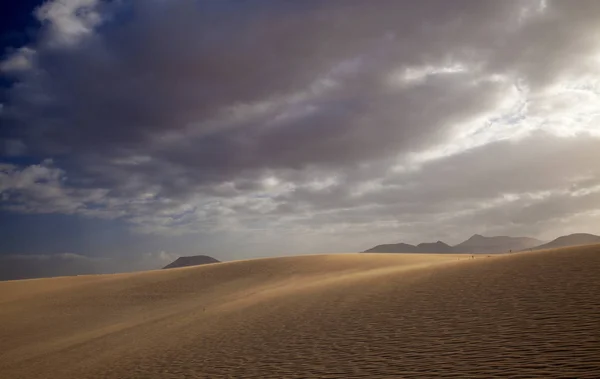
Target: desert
525,315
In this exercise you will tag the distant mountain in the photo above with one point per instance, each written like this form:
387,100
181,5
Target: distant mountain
479,244
195,260
438,247
435,247
392,248
570,240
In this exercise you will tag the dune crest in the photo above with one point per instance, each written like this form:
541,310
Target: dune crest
328,316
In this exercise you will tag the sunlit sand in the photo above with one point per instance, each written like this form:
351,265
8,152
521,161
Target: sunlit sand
525,315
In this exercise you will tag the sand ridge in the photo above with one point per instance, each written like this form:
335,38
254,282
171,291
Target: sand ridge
330,316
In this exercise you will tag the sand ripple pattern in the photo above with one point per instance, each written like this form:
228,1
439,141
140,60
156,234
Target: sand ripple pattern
528,315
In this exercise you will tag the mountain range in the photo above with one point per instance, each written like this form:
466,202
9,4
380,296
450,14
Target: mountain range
478,244
427,247
494,245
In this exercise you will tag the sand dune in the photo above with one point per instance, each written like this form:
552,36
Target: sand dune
526,315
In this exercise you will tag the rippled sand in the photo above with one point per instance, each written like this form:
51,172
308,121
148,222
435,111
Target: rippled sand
527,315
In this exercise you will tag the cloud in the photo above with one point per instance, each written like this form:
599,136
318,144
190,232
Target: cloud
67,21
18,61
282,118
41,189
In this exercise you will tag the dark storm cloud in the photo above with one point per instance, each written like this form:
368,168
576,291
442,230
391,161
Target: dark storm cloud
173,66
179,115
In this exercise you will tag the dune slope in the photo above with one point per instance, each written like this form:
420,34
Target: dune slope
339,316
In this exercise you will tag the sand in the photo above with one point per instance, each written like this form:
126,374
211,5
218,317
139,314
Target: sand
525,315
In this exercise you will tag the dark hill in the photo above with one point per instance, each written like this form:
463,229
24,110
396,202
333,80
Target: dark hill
393,248
570,240
435,247
438,247
195,260
479,244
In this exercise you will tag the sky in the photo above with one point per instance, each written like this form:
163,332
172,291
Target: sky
135,131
